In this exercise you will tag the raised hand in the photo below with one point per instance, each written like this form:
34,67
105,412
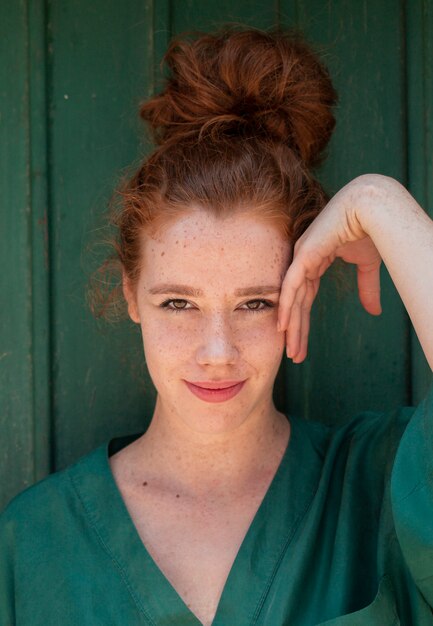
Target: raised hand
336,232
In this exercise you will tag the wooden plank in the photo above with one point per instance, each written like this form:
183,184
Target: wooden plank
356,361
16,401
24,333
419,45
102,66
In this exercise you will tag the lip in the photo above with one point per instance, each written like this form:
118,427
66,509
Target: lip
215,391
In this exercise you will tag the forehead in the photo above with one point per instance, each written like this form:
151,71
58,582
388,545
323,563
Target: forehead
199,249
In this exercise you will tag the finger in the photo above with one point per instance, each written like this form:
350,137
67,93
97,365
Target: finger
293,330
292,282
369,288
293,333
312,289
295,277
305,330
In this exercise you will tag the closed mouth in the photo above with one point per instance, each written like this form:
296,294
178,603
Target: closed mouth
215,392
215,385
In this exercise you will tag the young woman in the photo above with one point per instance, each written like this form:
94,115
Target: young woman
225,511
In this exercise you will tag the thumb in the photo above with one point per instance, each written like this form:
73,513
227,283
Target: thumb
369,287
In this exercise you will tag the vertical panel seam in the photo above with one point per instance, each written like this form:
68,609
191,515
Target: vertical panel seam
417,44
49,139
406,170
40,238
29,273
39,224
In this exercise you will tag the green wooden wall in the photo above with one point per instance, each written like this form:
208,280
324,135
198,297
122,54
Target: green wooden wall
71,76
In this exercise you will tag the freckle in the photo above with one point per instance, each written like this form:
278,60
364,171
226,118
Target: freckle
177,495
145,483
177,241
162,253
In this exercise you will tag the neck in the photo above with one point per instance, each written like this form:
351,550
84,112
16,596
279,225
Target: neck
198,462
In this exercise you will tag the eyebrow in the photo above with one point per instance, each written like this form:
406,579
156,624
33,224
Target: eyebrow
185,290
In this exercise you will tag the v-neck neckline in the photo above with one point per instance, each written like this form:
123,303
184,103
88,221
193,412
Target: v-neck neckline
255,565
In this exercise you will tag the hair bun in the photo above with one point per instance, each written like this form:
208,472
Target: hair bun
245,83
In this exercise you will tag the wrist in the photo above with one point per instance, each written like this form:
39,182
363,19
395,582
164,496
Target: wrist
373,199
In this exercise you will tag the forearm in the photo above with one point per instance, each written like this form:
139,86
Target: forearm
403,234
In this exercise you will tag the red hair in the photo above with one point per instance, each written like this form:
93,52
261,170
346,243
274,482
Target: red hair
243,116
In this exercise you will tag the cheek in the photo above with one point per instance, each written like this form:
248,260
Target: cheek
262,341
165,351
167,338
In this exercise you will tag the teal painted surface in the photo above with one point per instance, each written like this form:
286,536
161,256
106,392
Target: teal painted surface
40,253
73,75
16,362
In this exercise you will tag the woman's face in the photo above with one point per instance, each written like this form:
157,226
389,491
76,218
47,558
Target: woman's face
207,301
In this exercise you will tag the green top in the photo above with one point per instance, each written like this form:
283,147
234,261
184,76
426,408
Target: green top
343,536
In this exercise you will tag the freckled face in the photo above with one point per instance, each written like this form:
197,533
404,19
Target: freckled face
218,331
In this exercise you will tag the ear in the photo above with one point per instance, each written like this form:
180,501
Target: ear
130,298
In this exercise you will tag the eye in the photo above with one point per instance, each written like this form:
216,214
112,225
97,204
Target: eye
175,305
256,305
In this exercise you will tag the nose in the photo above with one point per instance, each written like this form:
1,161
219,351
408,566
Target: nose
217,345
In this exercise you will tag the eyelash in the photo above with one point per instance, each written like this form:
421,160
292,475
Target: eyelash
165,305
